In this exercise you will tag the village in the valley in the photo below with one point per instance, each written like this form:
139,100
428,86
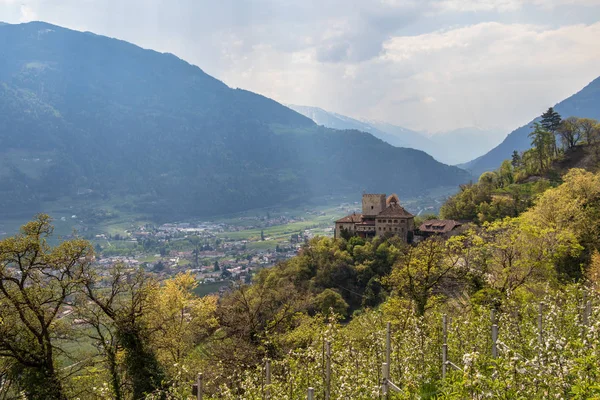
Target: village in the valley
233,248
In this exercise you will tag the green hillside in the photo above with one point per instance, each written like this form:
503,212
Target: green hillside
86,116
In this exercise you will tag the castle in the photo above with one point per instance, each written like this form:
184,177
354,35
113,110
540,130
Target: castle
380,217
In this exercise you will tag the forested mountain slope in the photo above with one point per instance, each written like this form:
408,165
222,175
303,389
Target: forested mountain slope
82,113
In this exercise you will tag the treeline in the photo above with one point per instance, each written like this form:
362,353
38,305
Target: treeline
69,330
513,187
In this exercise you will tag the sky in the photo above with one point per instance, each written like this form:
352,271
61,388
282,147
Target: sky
431,65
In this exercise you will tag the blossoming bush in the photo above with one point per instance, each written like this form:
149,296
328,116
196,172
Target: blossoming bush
561,363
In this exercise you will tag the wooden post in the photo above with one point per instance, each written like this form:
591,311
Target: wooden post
385,373
494,334
199,383
444,345
583,307
268,379
328,370
587,313
540,326
388,344
311,393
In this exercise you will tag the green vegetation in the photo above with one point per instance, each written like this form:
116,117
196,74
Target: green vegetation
150,338
513,188
583,104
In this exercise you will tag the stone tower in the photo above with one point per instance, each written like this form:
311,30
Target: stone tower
372,204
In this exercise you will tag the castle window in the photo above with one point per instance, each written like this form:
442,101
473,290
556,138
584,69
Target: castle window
395,229
371,207
403,221
395,221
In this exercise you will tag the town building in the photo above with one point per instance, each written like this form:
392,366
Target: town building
380,216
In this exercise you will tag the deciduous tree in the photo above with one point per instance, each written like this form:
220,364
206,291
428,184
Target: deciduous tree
36,282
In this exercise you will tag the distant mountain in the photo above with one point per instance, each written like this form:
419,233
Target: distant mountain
337,121
87,115
583,104
466,143
450,147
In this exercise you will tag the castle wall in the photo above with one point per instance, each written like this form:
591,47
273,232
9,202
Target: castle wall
373,204
349,226
394,226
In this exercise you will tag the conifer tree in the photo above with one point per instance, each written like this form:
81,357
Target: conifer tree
516,159
551,122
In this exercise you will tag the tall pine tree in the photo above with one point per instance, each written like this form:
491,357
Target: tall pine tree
551,122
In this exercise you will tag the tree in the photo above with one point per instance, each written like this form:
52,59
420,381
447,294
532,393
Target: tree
505,174
216,266
330,301
516,159
569,131
420,270
178,319
249,314
542,142
550,122
262,235
36,281
125,297
518,252
572,207
589,129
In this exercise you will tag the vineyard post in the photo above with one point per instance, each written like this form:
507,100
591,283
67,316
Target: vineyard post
385,373
583,307
444,345
540,330
540,326
268,379
328,370
494,334
311,393
587,312
388,343
199,387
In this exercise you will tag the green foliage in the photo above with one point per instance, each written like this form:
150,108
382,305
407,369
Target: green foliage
329,301
513,188
36,282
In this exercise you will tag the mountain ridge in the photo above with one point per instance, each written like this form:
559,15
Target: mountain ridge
84,111
447,147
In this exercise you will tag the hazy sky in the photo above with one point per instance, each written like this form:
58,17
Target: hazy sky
423,64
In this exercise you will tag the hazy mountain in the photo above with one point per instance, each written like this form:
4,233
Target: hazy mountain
337,121
463,144
450,147
82,114
584,104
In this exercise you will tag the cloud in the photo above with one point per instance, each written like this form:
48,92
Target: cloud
505,5
425,64
27,14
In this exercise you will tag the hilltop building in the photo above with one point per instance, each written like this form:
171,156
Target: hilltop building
438,227
380,217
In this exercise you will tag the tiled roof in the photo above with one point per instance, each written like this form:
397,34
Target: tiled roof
395,210
351,218
439,225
